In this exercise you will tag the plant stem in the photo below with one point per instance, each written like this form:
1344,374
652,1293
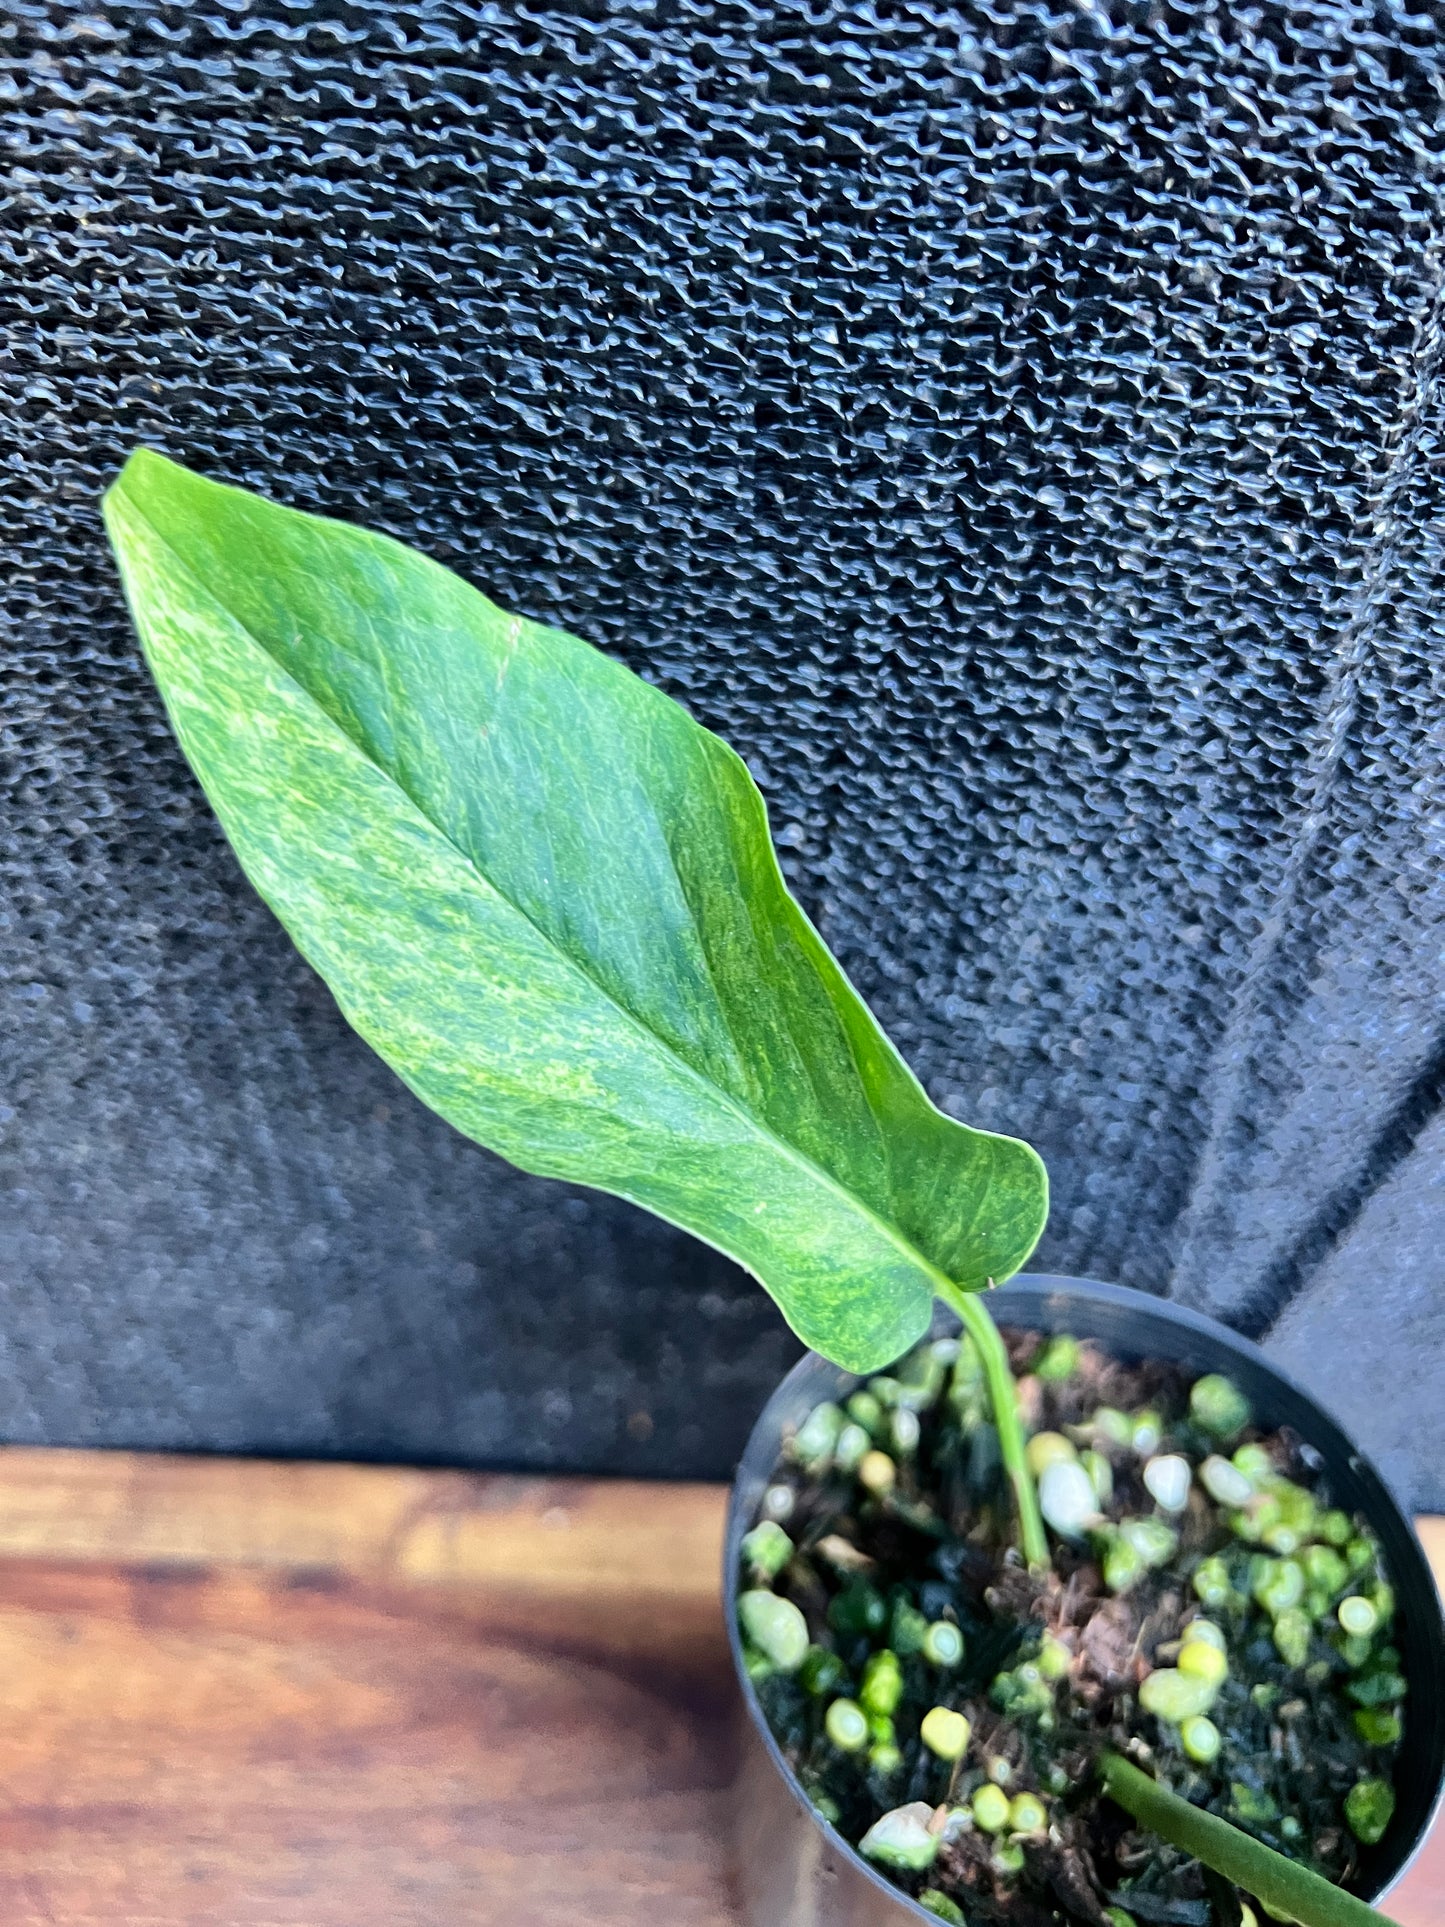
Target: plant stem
1003,1397
1285,1885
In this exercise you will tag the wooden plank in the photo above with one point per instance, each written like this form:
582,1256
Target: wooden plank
327,1696
361,1519
248,1694
526,1550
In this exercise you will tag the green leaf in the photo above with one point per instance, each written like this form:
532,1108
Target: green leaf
548,898
1295,1892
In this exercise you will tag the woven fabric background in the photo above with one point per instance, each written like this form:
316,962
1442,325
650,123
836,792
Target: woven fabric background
1015,425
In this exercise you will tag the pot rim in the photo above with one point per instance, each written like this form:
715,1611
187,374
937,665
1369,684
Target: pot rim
1129,1301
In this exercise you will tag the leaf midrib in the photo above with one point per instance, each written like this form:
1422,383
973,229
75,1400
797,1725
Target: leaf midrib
724,1098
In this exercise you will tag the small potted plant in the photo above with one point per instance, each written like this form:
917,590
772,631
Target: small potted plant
960,1727
1080,1615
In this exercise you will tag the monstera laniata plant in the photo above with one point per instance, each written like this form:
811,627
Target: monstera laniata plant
548,898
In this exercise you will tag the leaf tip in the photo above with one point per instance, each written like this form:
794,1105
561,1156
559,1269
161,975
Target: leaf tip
143,469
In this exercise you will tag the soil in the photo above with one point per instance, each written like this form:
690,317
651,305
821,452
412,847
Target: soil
941,1544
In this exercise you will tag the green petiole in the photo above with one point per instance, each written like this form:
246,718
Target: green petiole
1290,1889
1004,1399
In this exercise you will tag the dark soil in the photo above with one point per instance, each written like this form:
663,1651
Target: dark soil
940,1544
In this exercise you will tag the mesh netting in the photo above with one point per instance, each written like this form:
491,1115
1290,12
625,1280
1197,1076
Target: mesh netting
1016,427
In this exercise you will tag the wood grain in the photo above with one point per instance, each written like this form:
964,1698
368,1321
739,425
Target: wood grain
330,1696
255,1695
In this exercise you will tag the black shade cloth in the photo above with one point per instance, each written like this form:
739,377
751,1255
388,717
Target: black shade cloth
1016,427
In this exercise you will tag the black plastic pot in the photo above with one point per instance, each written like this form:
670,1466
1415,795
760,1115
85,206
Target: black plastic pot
797,1871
